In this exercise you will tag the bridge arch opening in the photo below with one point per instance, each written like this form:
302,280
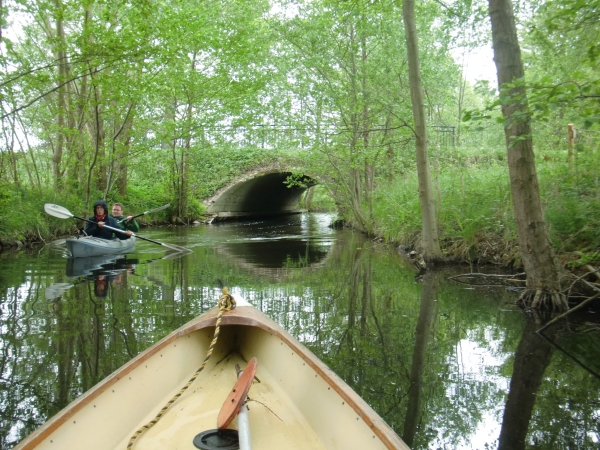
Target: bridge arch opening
261,195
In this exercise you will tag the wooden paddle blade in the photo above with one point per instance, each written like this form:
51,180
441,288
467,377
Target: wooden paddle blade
57,211
237,396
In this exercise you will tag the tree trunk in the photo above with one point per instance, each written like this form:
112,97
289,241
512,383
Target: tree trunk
366,125
461,100
121,142
389,155
540,263
97,137
61,58
356,184
430,243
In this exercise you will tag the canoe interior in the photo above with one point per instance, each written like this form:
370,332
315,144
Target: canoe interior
293,404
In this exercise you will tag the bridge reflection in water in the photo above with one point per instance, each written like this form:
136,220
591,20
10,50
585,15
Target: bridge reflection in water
298,243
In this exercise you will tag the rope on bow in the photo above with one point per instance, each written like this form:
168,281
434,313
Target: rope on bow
226,303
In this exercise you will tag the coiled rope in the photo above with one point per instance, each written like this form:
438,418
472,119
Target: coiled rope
226,303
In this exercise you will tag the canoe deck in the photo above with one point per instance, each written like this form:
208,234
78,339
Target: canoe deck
296,402
275,422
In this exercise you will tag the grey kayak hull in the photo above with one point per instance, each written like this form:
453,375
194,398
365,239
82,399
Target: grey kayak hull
93,246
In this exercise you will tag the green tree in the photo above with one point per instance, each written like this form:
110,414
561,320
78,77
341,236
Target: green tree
542,267
429,241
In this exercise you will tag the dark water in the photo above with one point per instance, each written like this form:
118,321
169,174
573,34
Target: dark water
447,366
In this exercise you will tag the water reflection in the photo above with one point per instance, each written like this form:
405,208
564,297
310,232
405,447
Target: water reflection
277,246
430,284
445,366
531,360
277,254
77,267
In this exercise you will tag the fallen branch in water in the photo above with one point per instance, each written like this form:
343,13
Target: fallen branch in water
498,280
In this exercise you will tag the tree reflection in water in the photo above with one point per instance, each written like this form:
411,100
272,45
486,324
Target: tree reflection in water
434,359
429,288
531,360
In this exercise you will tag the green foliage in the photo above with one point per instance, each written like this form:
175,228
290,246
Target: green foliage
571,195
22,215
189,96
397,211
321,200
585,258
472,203
143,197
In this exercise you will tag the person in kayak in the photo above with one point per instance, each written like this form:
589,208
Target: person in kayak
125,222
95,226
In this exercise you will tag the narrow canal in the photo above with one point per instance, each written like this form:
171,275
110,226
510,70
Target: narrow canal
448,366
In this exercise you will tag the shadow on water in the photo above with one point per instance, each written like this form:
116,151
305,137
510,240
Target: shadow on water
447,366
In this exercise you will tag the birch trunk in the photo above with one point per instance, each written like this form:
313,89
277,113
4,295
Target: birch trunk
61,58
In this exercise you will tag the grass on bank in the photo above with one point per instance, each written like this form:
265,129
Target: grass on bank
474,208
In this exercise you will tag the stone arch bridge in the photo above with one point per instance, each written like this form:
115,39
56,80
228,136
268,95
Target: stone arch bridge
258,194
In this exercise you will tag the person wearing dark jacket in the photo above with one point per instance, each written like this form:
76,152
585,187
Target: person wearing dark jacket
95,226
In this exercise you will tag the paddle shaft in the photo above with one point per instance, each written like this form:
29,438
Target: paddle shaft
147,212
244,425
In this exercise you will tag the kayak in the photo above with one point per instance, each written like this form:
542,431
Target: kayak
93,246
294,401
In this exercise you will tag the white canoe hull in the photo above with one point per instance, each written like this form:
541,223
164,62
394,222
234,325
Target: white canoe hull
93,246
296,402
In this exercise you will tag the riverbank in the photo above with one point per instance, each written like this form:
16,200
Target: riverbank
486,249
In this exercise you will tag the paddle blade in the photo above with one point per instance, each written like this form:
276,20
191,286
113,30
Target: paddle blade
176,255
176,248
57,211
158,209
56,290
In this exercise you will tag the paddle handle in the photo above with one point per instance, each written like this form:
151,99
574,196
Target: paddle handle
244,429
